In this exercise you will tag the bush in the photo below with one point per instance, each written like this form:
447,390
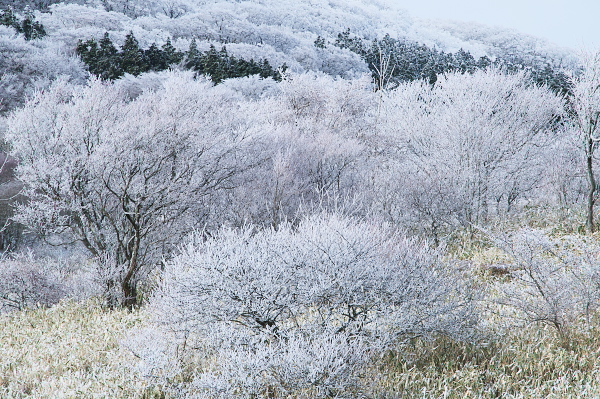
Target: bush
28,281
277,312
552,281
25,284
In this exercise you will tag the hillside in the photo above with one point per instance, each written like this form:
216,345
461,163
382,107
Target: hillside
283,33
293,199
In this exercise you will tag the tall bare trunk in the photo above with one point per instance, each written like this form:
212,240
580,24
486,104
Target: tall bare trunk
591,227
129,283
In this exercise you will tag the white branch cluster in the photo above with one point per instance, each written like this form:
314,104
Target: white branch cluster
304,308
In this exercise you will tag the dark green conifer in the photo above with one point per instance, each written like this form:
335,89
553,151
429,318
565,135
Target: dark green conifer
192,55
131,56
320,42
172,56
8,18
154,59
88,52
108,64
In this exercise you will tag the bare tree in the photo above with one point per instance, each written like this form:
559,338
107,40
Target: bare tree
126,178
586,109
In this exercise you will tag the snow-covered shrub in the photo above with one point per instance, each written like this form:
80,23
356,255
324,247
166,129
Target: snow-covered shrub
45,275
24,284
552,281
302,309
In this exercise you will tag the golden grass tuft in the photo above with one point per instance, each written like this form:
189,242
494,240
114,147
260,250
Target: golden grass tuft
530,362
68,351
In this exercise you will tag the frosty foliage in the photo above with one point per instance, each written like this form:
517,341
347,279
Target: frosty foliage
285,31
126,178
28,280
555,281
29,65
303,308
24,284
468,147
585,112
311,127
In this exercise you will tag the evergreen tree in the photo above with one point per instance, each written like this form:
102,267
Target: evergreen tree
154,59
30,28
484,62
354,44
88,52
8,18
172,56
108,65
212,65
131,59
103,59
464,62
192,55
320,42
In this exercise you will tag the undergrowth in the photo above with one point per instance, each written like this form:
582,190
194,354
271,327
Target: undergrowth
71,350
528,362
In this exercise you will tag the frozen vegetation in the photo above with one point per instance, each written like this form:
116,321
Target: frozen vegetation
293,199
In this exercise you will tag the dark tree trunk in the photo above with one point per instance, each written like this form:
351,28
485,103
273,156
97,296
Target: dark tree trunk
591,227
129,284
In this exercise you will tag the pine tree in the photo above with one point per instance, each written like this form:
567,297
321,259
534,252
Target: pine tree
8,18
88,52
108,65
154,59
212,65
320,42
192,55
30,28
172,56
131,56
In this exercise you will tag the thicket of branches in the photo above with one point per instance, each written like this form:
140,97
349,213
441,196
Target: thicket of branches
287,229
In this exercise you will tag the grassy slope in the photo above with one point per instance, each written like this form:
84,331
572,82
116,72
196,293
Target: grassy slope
69,351
525,363
73,351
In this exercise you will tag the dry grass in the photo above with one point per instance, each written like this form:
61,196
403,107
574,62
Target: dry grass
72,351
69,351
531,362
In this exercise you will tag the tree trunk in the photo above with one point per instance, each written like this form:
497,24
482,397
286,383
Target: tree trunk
129,284
592,186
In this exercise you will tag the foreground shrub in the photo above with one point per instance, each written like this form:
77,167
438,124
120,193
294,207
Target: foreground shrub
555,281
44,276
285,311
25,284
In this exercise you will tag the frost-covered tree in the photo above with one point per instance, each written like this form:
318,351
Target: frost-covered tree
29,65
585,101
303,308
555,281
126,178
312,126
468,146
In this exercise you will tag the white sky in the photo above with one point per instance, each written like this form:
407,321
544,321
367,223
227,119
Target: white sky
570,23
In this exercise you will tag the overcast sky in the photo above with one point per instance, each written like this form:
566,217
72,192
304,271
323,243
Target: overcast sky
570,23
